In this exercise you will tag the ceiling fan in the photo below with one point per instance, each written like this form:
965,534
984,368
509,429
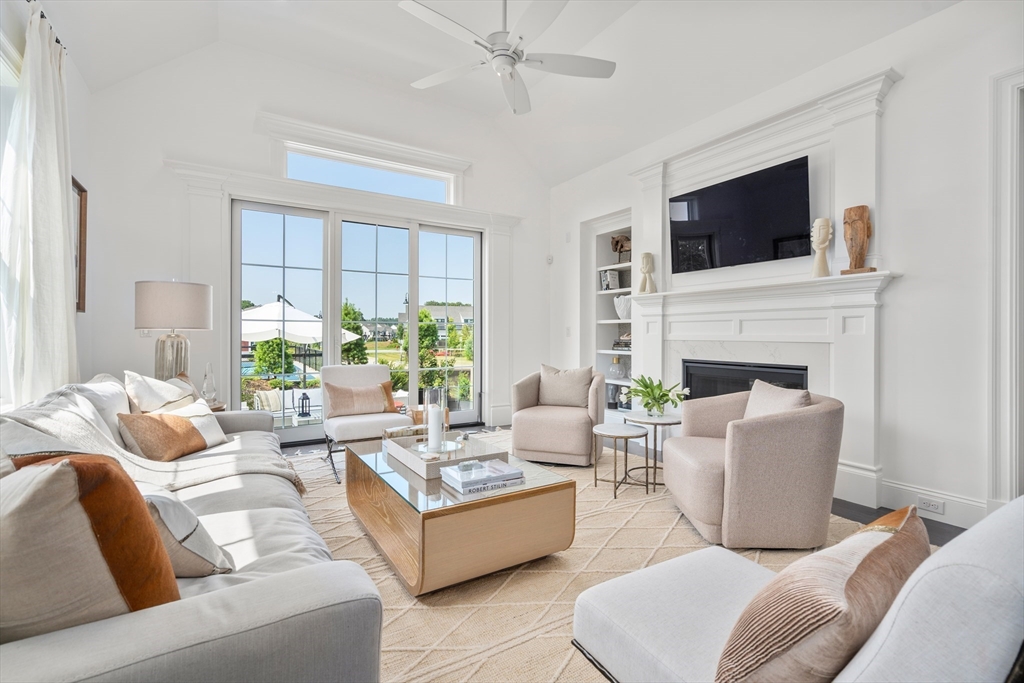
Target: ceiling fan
506,50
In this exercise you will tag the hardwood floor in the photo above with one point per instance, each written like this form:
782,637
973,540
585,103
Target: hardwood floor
939,533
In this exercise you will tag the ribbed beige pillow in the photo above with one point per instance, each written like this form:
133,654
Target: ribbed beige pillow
810,620
768,399
376,398
565,387
166,436
192,551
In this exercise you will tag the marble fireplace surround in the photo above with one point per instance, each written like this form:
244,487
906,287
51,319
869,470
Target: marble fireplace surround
828,324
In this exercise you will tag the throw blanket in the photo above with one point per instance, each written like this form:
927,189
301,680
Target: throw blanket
60,416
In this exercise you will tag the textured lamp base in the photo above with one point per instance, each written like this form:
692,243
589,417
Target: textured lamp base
171,356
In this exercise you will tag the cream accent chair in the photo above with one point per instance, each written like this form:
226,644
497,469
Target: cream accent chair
347,428
763,482
555,434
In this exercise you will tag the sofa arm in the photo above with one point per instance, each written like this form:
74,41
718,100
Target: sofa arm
526,392
316,623
232,421
780,474
710,417
596,400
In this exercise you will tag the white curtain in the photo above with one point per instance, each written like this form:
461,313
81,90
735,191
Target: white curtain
37,275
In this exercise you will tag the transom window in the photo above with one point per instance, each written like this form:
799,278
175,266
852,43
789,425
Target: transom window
371,177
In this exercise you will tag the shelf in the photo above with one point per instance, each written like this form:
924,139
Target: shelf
610,352
621,290
615,266
614,322
618,382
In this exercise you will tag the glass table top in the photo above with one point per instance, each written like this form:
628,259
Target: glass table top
430,494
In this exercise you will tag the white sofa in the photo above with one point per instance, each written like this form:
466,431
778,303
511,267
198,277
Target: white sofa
959,617
289,612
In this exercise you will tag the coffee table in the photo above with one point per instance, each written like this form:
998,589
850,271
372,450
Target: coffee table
432,539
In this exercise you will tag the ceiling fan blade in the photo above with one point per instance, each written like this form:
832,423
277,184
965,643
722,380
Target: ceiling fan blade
446,75
515,92
443,23
570,65
535,20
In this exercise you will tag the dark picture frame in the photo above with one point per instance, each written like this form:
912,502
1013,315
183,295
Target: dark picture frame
80,211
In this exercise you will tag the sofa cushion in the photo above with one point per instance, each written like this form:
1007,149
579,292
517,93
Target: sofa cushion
376,398
78,546
262,542
237,443
813,617
695,474
357,427
970,593
109,398
188,543
241,492
565,387
554,429
768,399
168,435
667,622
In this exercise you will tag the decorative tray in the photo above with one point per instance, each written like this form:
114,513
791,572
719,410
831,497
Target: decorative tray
411,451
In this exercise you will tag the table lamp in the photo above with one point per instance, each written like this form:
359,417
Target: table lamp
172,306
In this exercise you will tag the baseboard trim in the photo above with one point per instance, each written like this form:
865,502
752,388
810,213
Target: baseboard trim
499,414
858,484
960,510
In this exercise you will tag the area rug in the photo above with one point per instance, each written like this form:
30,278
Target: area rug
516,625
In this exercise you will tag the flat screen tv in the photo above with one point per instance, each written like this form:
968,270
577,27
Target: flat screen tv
762,216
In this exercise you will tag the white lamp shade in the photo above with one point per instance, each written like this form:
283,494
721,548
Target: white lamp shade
173,306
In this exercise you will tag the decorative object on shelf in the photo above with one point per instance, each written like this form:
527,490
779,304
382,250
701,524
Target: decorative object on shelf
623,306
654,397
609,280
623,343
172,306
304,405
433,397
647,285
821,235
624,400
209,385
857,232
613,396
79,214
615,370
623,246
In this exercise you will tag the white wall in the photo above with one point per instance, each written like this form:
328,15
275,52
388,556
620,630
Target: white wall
201,108
931,225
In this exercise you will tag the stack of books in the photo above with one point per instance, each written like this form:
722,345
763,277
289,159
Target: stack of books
623,343
473,476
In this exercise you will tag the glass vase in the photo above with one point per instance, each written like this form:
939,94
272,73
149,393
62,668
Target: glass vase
209,385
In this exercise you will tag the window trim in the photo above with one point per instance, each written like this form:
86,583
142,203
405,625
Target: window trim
332,143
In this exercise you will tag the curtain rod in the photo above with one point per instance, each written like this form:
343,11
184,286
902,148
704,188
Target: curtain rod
42,15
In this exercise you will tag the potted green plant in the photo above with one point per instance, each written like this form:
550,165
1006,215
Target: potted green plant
654,397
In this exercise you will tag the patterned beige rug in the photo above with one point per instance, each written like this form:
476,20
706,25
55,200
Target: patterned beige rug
515,624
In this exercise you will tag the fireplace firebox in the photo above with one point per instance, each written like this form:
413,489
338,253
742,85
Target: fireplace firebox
714,378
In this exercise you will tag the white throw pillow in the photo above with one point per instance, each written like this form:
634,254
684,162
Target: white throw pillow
148,395
193,552
768,399
565,387
109,398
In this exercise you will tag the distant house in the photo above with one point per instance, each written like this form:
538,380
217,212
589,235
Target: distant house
459,316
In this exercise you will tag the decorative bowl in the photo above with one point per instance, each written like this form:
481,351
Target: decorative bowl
623,305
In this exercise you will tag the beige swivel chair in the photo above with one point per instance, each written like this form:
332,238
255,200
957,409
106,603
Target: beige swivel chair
347,428
763,482
559,434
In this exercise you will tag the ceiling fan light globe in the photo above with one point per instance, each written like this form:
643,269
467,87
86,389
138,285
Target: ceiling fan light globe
503,64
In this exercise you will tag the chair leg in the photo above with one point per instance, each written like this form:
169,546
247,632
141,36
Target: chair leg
330,458
593,447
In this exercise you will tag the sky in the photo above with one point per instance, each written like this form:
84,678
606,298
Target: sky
283,254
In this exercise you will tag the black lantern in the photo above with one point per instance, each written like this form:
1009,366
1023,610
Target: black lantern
304,405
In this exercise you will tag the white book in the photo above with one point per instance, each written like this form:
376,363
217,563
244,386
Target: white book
475,473
472,490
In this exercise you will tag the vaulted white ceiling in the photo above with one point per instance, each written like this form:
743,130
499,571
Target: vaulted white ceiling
678,61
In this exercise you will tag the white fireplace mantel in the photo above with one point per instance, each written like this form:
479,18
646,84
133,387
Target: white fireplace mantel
828,324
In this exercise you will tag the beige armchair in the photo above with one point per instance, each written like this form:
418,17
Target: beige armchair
763,482
554,433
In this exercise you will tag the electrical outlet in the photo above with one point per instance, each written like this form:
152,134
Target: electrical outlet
931,505
568,332
568,237
144,333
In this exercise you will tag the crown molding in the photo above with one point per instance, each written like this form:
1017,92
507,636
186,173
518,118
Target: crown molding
651,177
861,98
313,135
213,181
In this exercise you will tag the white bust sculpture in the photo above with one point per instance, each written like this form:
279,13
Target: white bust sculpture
647,268
821,235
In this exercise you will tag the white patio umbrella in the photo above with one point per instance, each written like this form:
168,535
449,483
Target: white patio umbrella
261,323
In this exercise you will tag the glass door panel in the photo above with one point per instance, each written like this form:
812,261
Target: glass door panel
280,327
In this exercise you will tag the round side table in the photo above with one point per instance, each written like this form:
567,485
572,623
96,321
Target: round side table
642,418
615,432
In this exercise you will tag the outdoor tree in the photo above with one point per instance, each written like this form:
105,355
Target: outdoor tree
454,336
273,357
247,304
467,342
353,353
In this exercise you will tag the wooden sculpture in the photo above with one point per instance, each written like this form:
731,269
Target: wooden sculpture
857,233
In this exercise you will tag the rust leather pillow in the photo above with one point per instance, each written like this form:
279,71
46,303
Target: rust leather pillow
79,545
810,620
376,398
